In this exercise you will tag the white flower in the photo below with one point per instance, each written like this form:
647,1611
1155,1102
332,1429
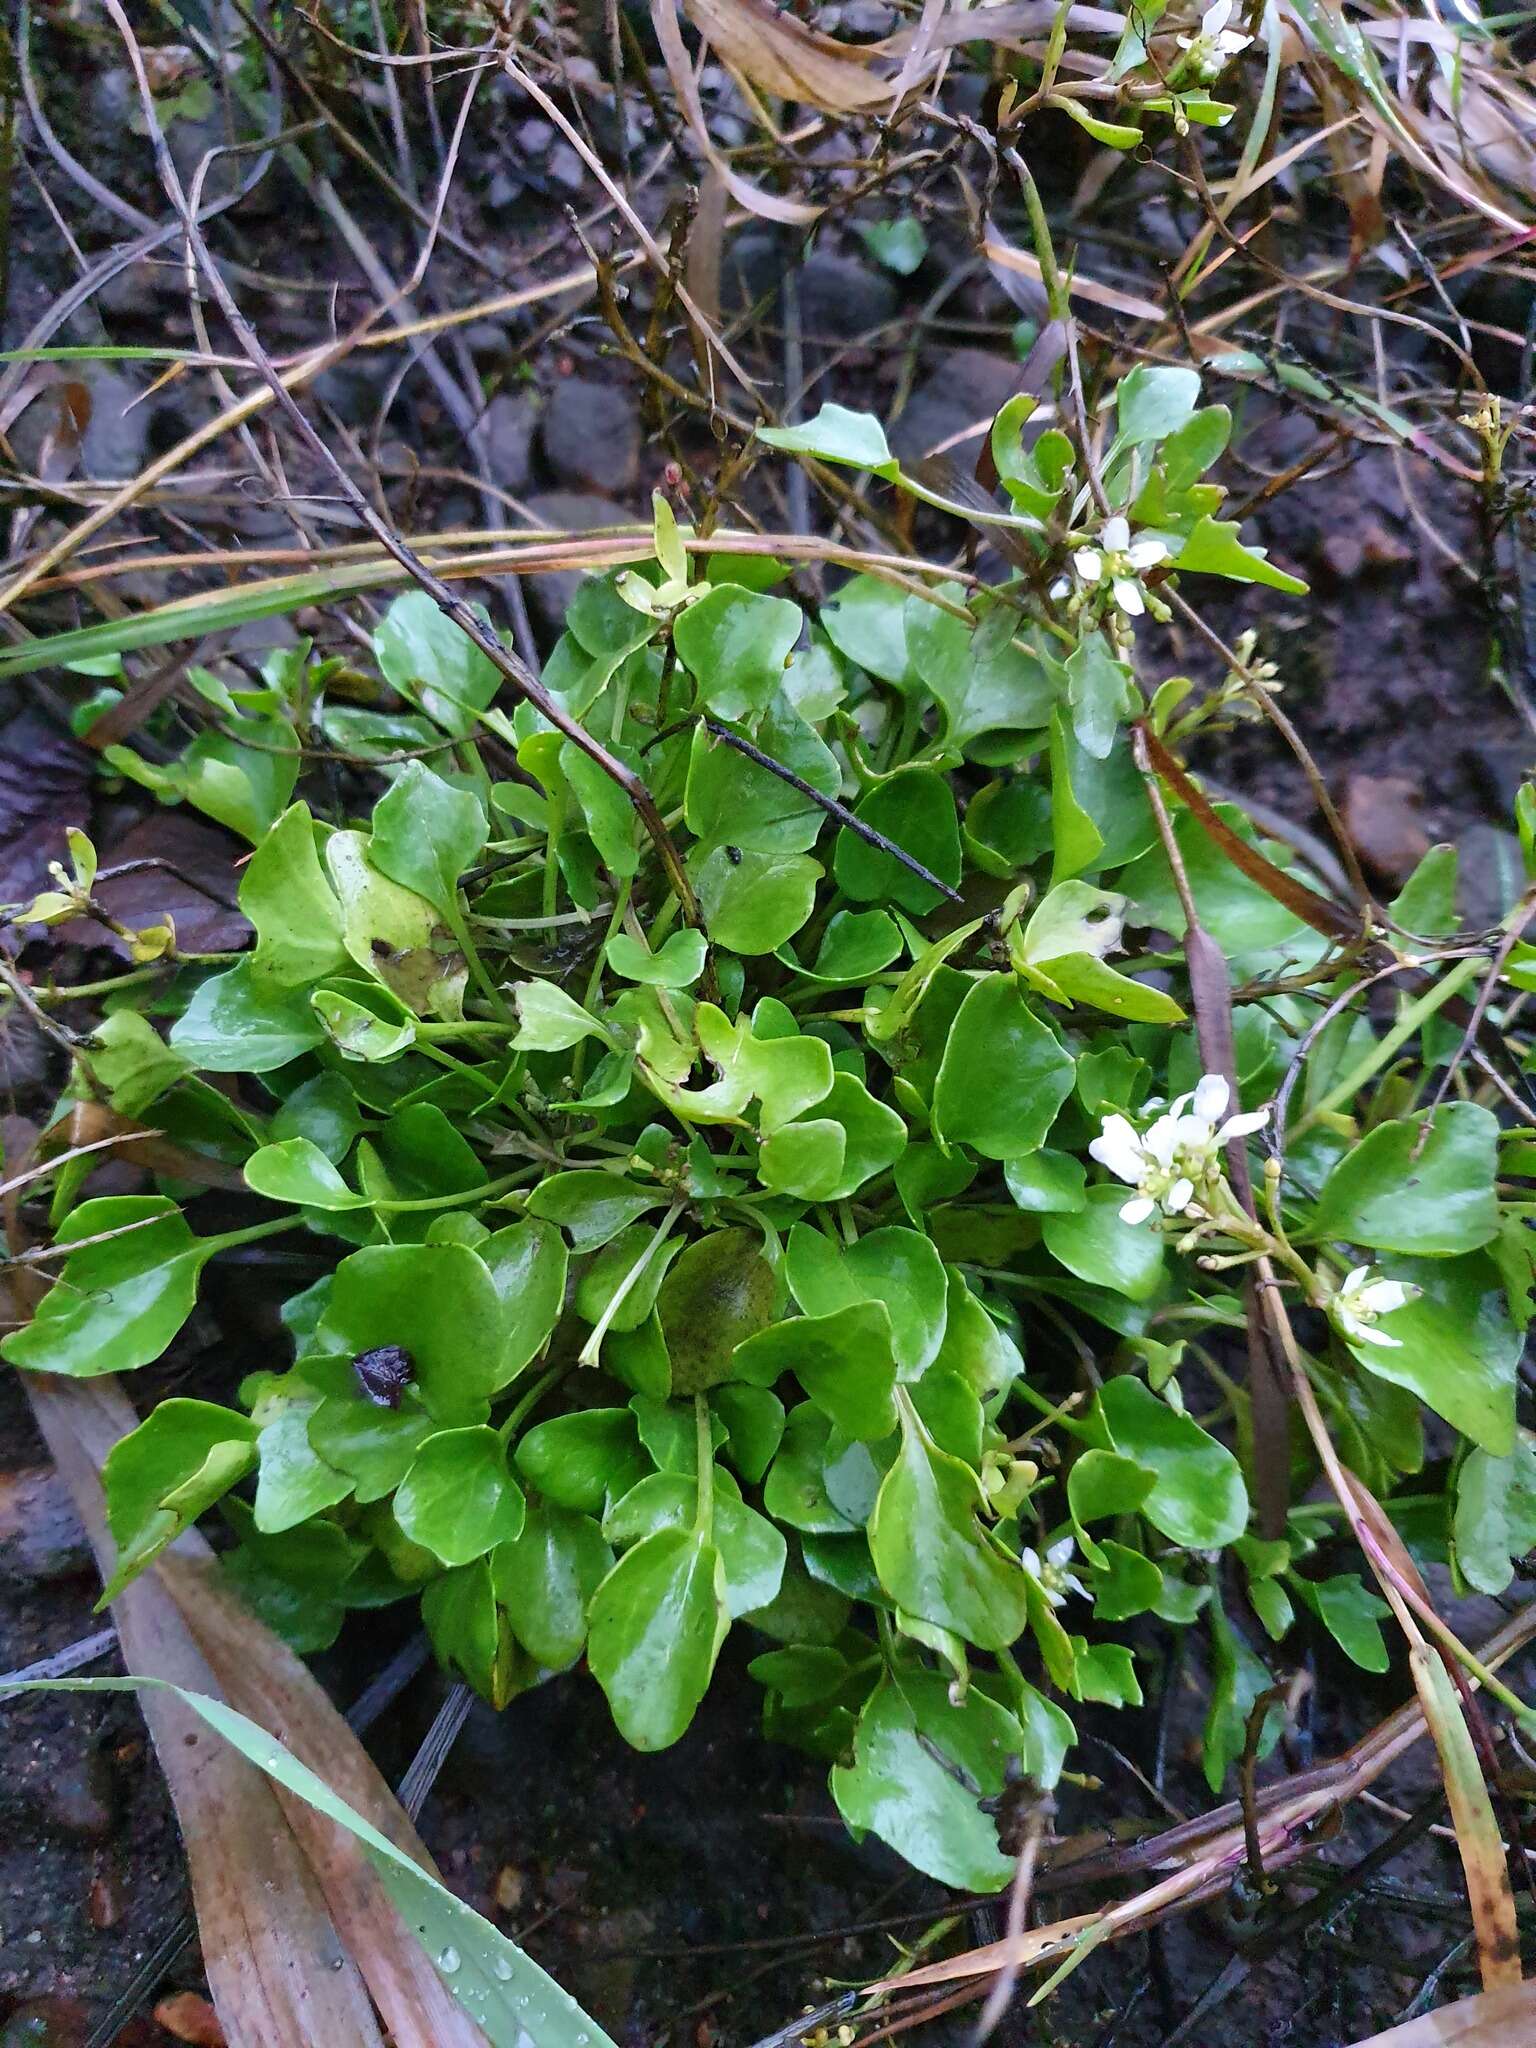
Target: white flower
1120,561
1209,50
1360,1300
1179,1156
1050,1574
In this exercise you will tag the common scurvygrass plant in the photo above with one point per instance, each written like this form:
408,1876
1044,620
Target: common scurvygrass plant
849,1246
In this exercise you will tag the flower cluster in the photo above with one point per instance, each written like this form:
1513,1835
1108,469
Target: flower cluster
1206,52
1353,1309
1176,1162
1050,1572
1119,562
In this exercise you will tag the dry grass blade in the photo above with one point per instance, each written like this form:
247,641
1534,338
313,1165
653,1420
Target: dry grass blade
1477,1834
1202,1855
1494,2019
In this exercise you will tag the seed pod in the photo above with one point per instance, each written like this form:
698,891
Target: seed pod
384,1374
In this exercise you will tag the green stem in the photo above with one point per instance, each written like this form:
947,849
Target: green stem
704,1518
228,1239
530,1400
588,1355
483,1193
455,1027
1386,1048
446,1059
459,926
551,864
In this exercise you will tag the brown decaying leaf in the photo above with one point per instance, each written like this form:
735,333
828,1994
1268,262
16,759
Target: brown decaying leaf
274,1689
189,2017
277,1971
1494,2019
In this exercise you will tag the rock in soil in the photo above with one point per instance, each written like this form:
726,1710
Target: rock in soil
954,405
41,1537
79,1798
507,435
580,512
1381,816
591,436
841,298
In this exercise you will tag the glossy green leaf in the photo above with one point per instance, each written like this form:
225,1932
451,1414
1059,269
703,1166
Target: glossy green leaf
915,811
844,1361
159,1478
1153,401
1456,1347
357,1030
1004,1073
837,435
1495,1516
1199,1500
1093,1243
527,1264
753,902
677,963
459,1500
425,834
1214,549
920,1766
431,662
654,1631
284,893
439,1303
1403,1190
545,1580
930,1551
981,688
1352,1616
593,1206
298,1171
581,1460
115,1304
896,1267
236,1024
752,1551
736,642
867,623
1044,1182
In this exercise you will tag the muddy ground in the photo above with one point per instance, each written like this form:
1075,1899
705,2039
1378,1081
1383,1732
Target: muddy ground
703,1894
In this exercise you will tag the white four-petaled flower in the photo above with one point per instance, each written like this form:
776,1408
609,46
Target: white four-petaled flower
1209,50
1050,1573
1178,1158
1360,1300
1119,561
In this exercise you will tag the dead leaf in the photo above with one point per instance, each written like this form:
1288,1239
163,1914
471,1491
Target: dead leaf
45,784
189,2017
1494,2019
277,1971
